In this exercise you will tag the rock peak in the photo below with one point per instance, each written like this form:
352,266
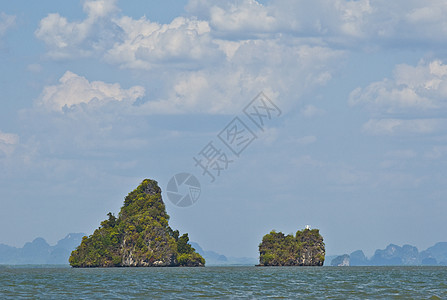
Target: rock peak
139,237
150,187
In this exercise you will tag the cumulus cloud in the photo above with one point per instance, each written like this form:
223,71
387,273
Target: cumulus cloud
245,18
222,53
232,16
131,43
142,43
145,43
209,74
74,89
211,71
421,87
411,101
333,21
284,73
66,39
8,142
99,8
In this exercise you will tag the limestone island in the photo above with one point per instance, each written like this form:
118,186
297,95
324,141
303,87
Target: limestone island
306,248
139,237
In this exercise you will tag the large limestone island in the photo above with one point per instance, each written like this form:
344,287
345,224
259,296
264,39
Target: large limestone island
306,248
139,237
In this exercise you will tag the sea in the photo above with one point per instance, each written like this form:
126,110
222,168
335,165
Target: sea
238,282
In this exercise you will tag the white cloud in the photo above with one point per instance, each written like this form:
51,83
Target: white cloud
223,53
202,70
99,8
131,43
142,43
350,23
8,142
244,18
74,89
146,43
423,87
283,72
6,22
410,102
66,39
249,15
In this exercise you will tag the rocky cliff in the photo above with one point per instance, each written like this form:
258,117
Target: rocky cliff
139,237
306,248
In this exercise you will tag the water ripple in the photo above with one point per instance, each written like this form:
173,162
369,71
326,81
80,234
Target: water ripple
225,282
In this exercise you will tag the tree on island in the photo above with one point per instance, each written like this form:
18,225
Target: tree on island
306,248
139,237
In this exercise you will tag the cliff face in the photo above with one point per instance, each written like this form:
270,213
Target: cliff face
306,248
139,237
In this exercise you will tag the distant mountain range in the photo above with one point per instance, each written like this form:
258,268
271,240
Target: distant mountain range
40,252
215,259
394,255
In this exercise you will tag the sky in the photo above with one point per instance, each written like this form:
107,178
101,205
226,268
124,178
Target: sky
97,95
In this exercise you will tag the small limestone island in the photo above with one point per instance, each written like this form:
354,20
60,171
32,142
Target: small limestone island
306,248
139,237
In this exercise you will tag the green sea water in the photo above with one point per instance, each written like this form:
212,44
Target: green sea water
224,282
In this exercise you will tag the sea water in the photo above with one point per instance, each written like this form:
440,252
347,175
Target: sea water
224,282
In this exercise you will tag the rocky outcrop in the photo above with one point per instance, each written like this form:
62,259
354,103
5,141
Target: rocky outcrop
341,261
139,237
306,248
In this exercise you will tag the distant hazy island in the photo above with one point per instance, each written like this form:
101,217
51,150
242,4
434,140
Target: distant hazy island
394,255
306,248
139,237
39,252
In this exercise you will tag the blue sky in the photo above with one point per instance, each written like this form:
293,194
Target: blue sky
98,95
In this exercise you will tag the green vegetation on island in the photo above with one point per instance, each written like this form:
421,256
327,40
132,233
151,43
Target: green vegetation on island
139,237
306,248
